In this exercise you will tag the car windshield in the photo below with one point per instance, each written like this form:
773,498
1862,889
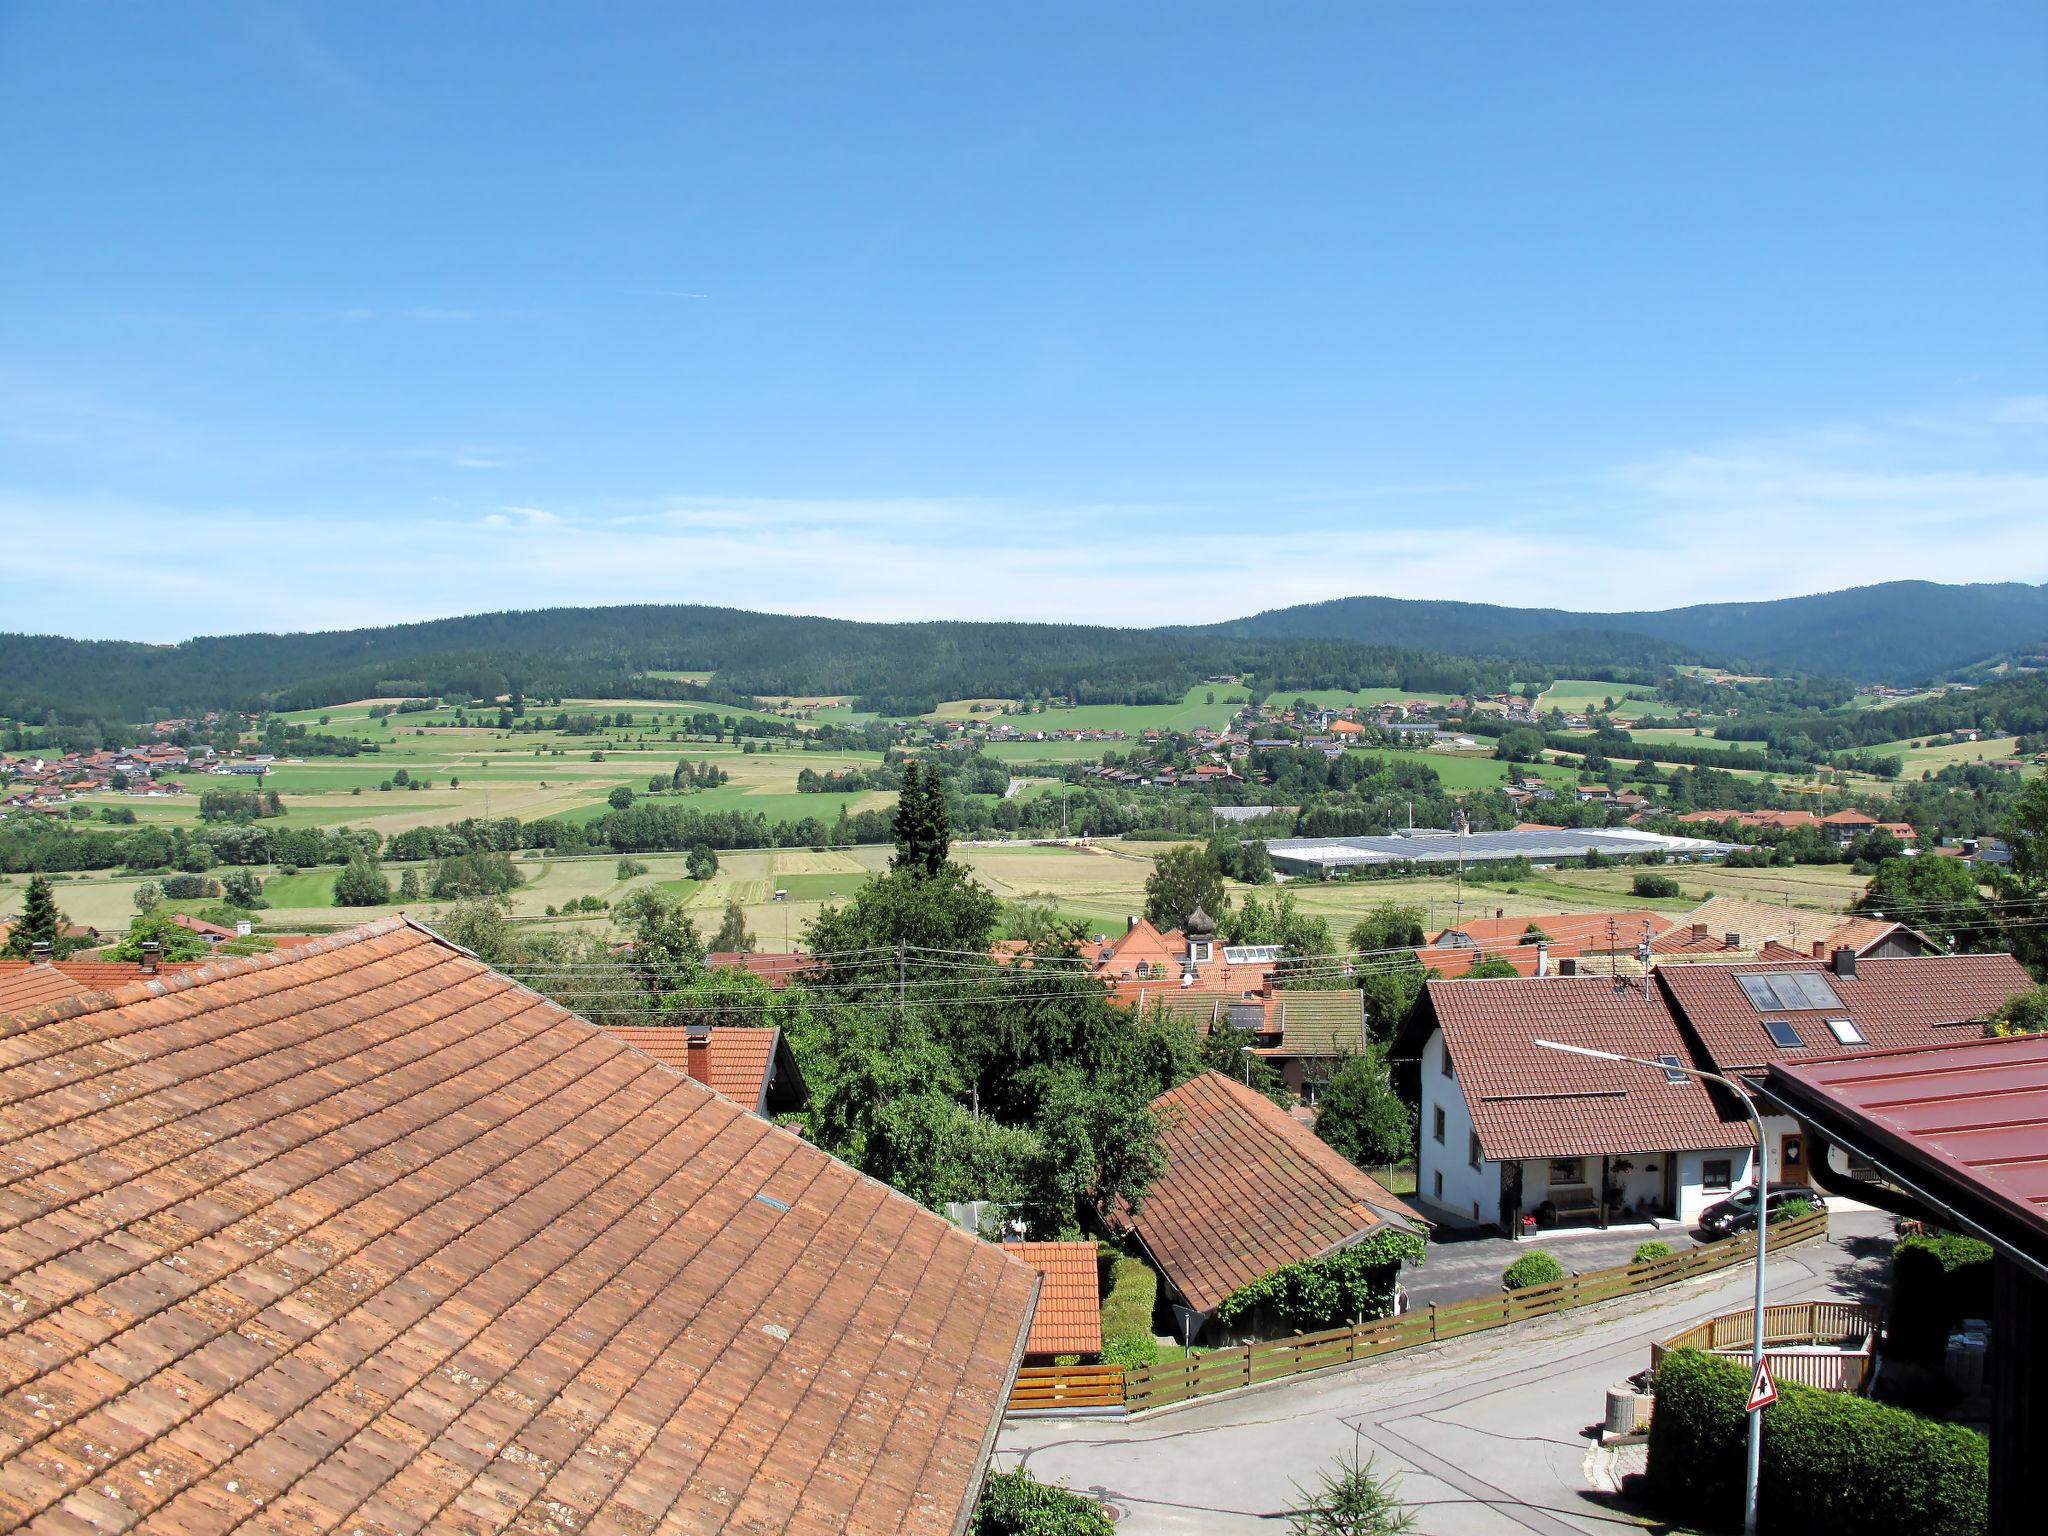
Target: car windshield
1743,1196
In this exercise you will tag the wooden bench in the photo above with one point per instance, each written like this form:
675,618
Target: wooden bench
1573,1201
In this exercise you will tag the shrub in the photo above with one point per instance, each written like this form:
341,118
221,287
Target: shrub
189,887
1938,1278
1535,1267
1792,1210
1127,1313
1650,1252
361,884
1017,1504
1353,1498
1831,1461
1654,885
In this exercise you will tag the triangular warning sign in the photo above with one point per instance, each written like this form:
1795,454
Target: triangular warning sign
1762,1391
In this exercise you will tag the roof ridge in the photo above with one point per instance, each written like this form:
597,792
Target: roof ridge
210,971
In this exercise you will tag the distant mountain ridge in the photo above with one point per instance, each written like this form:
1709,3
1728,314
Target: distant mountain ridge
1897,631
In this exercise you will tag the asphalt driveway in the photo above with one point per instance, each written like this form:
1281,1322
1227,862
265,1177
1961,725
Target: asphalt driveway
1490,1433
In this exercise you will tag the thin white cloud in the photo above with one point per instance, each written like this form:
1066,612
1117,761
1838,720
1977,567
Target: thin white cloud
1800,512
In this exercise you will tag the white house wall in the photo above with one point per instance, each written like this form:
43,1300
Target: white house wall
1464,1186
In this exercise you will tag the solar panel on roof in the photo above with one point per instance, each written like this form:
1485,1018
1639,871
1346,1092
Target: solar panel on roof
1783,1035
1799,990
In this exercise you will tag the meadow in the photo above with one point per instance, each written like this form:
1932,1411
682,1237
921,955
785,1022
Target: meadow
1352,698
1576,695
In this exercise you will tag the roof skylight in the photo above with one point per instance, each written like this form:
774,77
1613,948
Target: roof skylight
1783,1035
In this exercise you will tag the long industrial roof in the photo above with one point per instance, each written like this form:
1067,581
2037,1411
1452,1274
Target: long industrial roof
1477,847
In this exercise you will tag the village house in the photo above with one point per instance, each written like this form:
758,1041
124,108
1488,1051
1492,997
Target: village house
1247,1190
1521,1137
1728,928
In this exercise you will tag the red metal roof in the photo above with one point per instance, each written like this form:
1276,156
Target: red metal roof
1972,1115
1530,1102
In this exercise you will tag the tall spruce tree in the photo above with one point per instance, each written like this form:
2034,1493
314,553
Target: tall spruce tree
922,835
40,921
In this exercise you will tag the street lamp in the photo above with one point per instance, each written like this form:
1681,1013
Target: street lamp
1247,1066
1763,1222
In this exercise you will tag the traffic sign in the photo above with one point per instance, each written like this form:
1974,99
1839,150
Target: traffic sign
1762,1391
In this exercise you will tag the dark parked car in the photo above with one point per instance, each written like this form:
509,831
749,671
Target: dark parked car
1737,1213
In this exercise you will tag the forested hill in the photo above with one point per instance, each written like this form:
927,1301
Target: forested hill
1899,631
599,652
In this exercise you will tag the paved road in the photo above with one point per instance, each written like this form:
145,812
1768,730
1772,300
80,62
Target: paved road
1461,1266
1489,1433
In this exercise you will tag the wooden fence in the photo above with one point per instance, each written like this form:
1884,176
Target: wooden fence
1052,1388
1791,1333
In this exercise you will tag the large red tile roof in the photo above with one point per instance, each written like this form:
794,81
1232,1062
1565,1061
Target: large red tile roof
1527,1101
366,1236
1926,1000
1248,1190
1069,1316
1454,960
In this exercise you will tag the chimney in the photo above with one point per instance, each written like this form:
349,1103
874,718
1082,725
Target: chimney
1845,963
1130,922
1542,959
1567,966
1731,941
1699,930
39,952
152,952
243,928
1499,913
695,1059
1820,949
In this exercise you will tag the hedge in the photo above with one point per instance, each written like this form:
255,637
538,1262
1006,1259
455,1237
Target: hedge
1017,1504
1937,1280
1127,1314
1831,1461
1535,1267
1649,1252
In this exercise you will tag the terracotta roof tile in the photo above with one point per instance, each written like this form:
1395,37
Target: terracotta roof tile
1925,1000
25,983
1704,931
1593,932
1248,1190
1318,1023
364,1235
1530,1102
1069,1316
1454,960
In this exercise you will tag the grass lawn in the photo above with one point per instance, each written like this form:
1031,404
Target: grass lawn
1193,710
1351,698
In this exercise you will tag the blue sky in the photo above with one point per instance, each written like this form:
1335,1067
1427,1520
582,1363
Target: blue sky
317,316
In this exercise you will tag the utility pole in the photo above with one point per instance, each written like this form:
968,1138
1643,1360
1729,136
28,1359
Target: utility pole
901,1000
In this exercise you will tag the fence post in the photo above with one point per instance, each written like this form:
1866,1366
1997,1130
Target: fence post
1432,1323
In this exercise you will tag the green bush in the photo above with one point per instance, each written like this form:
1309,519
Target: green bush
1650,1252
1017,1504
1127,1314
1831,1461
1654,885
1533,1268
1938,1278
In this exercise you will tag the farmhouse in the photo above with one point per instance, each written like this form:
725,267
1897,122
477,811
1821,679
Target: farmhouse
364,1236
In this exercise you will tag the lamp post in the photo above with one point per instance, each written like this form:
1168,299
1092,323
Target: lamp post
1763,1222
1247,1065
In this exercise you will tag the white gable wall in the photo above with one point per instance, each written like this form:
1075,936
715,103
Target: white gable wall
1450,1159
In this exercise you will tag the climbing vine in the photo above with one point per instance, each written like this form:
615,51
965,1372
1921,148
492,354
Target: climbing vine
1328,1292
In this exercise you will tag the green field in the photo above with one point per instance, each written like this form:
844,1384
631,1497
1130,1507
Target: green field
1576,695
1193,710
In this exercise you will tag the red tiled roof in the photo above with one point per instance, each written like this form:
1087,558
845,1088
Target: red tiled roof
1969,1119
1893,1002
1530,1102
366,1236
1454,960
778,970
1248,1190
736,1060
1069,1316
1593,932
25,983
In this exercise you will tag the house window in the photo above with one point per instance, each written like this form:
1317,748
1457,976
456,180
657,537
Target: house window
1567,1170
1472,1152
1436,1125
1438,1182
1446,1045
1792,1151
1717,1175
